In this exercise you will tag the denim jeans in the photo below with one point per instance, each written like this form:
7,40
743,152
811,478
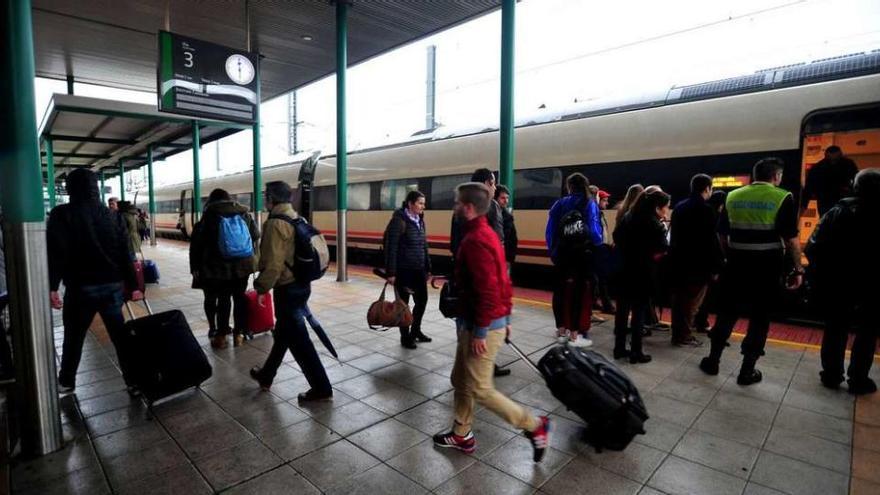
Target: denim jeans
291,334
80,306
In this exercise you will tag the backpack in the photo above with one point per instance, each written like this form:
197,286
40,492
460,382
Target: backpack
311,254
234,238
575,244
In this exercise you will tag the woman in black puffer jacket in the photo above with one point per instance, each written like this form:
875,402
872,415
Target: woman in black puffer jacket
641,241
407,262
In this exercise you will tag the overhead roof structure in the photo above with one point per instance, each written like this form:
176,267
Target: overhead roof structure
97,133
115,44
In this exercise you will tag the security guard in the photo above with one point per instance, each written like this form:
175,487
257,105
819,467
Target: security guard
759,230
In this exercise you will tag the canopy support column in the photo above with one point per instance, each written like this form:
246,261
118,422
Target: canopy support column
258,168
508,146
197,180
50,173
121,180
21,181
341,144
152,195
103,201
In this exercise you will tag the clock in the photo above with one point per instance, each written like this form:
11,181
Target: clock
240,69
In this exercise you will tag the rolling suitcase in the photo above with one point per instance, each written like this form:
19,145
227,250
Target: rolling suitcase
162,355
139,280
595,389
260,319
151,272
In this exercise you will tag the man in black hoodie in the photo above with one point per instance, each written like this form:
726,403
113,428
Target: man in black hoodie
89,251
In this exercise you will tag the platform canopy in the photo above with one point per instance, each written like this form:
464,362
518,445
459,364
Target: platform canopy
114,43
97,133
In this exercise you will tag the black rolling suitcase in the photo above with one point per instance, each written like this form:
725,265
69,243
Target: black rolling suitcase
596,390
162,354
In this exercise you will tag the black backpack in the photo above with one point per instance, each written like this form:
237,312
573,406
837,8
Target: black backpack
575,243
311,254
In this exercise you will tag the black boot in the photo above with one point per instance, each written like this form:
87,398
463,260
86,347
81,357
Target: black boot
620,350
418,336
748,375
406,338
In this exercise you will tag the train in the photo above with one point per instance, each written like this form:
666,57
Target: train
722,135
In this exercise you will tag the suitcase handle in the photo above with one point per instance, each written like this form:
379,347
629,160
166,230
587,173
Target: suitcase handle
146,304
523,356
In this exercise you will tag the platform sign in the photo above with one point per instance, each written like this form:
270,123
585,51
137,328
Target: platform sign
207,80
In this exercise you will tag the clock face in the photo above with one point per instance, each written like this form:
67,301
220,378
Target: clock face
240,69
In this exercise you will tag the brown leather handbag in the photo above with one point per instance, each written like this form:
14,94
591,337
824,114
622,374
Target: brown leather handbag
384,314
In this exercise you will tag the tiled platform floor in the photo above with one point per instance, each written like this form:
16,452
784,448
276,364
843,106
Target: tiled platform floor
706,434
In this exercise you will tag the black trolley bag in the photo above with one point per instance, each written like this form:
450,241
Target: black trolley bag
595,389
163,355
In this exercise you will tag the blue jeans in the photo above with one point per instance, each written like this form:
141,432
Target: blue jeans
291,334
80,306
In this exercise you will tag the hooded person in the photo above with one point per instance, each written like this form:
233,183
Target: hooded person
88,250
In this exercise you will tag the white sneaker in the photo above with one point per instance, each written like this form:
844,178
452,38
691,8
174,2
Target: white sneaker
561,335
580,341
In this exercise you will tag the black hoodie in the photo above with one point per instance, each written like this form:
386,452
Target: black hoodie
87,243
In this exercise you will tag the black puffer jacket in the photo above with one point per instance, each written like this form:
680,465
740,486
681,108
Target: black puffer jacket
406,245
87,243
641,242
205,260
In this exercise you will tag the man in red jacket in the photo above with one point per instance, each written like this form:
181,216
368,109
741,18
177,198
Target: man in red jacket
485,294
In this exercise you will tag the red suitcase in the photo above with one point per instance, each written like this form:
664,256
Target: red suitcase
259,318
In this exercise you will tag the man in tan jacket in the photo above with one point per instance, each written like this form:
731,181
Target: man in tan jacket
290,297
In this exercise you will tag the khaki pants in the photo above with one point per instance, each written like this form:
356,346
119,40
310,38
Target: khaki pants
686,302
472,377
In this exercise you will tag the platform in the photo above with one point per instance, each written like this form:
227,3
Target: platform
706,434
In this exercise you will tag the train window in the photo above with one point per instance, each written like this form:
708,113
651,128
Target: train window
244,199
393,192
443,191
536,189
325,198
359,197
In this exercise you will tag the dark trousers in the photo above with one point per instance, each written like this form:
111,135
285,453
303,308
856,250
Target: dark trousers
837,325
80,306
6,366
219,296
573,301
749,287
627,305
416,282
291,334
686,301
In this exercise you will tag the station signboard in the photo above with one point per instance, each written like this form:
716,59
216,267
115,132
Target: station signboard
203,79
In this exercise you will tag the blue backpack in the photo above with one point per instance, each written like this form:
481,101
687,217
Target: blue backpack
234,239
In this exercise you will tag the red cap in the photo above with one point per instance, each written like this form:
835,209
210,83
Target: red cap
603,194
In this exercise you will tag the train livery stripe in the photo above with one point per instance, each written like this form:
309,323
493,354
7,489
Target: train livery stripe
374,238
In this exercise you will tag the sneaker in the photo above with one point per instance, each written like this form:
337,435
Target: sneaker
65,389
500,371
640,358
709,366
466,444
561,335
420,337
861,387
688,342
540,438
580,341
237,340
312,396
752,378
255,374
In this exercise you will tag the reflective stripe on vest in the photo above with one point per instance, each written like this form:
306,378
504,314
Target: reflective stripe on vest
752,211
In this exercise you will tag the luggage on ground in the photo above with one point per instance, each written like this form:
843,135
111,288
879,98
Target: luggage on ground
311,254
234,239
595,389
260,319
163,355
384,314
151,272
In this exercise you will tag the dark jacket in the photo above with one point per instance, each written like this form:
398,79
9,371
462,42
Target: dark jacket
828,182
565,205
641,242
694,249
843,252
205,260
87,243
511,241
406,244
485,291
496,223
129,213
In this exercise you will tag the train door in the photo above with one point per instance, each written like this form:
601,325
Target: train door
185,212
856,130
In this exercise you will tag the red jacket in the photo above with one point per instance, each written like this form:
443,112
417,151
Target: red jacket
485,291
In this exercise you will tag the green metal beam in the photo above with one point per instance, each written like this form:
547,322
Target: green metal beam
90,139
50,174
341,143
84,156
151,192
121,181
102,187
257,199
508,146
197,181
